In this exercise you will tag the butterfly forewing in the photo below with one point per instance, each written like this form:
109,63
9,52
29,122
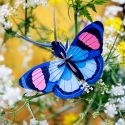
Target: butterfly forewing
88,43
42,77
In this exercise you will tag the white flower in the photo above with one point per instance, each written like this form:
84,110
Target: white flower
107,68
4,11
34,3
110,39
2,20
7,25
110,109
1,41
112,11
24,123
2,31
110,30
26,52
10,96
121,103
117,90
122,33
112,100
44,122
36,122
117,100
119,1
120,122
33,122
5,74
18,3
25,5
124,21
1,58
43,2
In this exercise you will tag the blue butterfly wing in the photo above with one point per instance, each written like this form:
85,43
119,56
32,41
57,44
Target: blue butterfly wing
85,51
43,77
77,53
91,69
68,86
88,43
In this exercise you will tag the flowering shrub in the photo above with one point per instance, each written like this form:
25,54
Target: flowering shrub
104,100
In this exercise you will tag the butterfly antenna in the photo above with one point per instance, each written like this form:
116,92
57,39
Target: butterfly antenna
35,43
54,23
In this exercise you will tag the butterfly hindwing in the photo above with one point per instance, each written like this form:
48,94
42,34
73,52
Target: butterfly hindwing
42,77
91,69
68,86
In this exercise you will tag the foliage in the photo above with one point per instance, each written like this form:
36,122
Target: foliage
81,7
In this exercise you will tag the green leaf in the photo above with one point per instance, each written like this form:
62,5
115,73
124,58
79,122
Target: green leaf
92,6
69,10
100,2
10,33
86,13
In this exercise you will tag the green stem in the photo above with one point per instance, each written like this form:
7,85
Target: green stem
63,109
26,14
17,26
87,118
20,108
54,23
32,97
111,50
76,21
108,57
91,103
30,110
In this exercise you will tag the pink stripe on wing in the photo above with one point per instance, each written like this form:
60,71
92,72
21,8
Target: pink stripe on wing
90,40
82,36
87,38
38,79
37,76
95,45
36,71
41,86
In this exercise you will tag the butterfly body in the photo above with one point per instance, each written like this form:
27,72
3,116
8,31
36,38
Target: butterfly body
65,76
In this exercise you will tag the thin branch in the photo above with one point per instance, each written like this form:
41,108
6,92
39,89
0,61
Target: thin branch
76,22
30,110
32,97
26,14
112,47
91,103
54,23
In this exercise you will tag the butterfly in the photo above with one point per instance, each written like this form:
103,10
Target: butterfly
78,64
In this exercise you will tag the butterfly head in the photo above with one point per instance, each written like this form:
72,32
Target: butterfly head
59,49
